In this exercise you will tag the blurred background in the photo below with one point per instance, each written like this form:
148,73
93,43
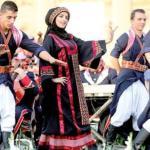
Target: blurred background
89,19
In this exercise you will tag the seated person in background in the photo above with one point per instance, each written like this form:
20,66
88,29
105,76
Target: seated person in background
94,76
31,60
111,77
26,87
100,76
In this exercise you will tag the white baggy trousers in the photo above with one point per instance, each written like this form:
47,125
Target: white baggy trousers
131,103
146,125
7,109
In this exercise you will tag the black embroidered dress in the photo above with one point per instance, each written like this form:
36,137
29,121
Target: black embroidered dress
66,120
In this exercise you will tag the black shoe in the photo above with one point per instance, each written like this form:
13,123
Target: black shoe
92,147
147,147
111,134
140,138
110,137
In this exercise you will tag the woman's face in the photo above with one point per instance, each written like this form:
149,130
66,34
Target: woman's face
62,20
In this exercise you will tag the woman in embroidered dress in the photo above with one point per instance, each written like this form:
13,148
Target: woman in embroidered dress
66,121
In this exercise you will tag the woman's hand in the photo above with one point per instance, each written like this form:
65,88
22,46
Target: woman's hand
61,80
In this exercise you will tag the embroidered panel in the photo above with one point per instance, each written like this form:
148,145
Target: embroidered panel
96,48
47,70
80,91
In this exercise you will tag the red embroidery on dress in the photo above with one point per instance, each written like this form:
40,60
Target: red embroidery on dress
69,86
61,43
83,107
46,70
59,87
66,142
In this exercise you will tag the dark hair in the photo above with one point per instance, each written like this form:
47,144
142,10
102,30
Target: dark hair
135,11
9,5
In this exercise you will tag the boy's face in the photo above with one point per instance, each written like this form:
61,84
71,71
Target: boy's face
7,19
139,21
